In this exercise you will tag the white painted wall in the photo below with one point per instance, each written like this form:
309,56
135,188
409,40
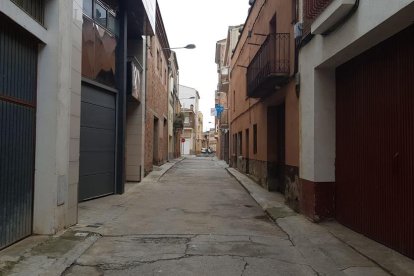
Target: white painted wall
58,110
187,92
374,21
75,112
57,145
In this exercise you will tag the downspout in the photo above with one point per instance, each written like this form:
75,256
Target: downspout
121,68
144,105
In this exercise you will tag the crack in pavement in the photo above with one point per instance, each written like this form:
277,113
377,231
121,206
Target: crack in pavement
284,231
362,254
128,265
246,264
188,240
357,266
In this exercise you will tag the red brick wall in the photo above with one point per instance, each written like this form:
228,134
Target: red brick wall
156,105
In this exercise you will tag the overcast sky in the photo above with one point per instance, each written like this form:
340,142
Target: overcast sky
202,23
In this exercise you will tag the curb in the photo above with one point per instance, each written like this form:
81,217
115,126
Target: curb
50,257
179,160
273,211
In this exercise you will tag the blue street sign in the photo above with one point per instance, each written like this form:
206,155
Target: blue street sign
219,109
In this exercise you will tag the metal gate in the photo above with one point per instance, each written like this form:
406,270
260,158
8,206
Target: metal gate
18,74
375,143
97,143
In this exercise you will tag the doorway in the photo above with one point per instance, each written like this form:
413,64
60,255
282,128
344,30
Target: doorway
247,150
155,142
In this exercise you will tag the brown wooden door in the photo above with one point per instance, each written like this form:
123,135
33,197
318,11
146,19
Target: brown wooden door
375,143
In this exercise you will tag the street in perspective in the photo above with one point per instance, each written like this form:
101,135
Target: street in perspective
194,217
253,137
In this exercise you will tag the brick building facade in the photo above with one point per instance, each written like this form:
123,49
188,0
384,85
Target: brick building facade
156,121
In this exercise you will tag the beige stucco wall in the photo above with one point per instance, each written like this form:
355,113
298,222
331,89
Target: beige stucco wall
135,121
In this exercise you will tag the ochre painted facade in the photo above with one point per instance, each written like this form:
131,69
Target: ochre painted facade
276,166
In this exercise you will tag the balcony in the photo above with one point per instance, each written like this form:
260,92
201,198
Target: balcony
224,119
270,68
223,86
178,121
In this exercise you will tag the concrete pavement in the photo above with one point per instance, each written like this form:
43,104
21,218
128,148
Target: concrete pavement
328,245
190,217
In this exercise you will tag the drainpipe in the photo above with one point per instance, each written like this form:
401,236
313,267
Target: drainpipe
144,104
121,67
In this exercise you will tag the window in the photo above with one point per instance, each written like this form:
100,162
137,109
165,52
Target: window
34,8
255,138
235,144
112,26
247,143
87,7
295,11
240,143
234,101
158,59
100,14
165,76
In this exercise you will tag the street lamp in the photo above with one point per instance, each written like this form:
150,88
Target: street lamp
189,46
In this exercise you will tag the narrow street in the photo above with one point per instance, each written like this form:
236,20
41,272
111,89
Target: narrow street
197,220
159,137
196,216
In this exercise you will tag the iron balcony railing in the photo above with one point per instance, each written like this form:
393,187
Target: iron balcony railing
270,66
224,118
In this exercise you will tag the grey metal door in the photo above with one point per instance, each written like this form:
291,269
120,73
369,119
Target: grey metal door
97,142
18,73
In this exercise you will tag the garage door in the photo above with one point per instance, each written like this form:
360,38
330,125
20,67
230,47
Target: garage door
97,143
186,146
375,143
18,71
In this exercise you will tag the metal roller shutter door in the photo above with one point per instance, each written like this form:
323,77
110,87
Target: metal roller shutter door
18,85
97,143
375,143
